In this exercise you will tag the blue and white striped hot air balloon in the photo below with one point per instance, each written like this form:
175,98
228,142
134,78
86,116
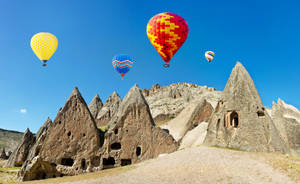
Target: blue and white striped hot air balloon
122,64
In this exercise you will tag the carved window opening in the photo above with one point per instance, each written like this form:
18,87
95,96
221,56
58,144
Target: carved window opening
115,146
232,119
67,161
116,131
125,162
83,164
260,114
69,133
138,151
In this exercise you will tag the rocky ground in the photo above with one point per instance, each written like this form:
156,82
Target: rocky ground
198,165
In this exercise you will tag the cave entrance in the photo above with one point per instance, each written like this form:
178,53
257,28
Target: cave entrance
108,162
115,146
125,162
83,164
67,161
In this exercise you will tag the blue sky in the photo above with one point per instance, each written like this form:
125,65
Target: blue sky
262,35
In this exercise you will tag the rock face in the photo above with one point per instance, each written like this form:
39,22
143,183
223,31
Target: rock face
71,145
27,172
109,109
132,135
240,120
166,102
287,121
194,137
20,154
95,106
3,155
189,118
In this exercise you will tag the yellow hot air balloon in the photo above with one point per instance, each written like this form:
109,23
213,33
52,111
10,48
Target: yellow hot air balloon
44,45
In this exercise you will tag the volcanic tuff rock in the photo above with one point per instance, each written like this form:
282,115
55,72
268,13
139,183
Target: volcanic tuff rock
34,151
189,117
287,121
71,146
166,102
3,155
20,154
194,137
132,135
109,109
95,106
240,120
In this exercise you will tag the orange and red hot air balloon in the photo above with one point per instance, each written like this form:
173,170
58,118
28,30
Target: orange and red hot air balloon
167,32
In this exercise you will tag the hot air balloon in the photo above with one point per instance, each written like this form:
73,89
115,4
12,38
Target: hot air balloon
44,45
209,55
122,64
167,32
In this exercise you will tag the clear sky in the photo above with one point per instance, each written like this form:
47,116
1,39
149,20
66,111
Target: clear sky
262,35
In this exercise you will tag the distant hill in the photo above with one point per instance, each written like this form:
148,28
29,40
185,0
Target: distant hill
9,139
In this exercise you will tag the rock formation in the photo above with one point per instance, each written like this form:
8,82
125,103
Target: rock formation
132,135
3,155
287,121
95,106
189,118
71,146
109,109
240,120
20,154
194,137
166,102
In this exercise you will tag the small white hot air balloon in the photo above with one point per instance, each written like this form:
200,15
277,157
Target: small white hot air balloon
209,55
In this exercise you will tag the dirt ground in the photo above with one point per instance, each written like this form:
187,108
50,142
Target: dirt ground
204,165
198,165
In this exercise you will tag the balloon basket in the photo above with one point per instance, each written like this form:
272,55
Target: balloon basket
166,65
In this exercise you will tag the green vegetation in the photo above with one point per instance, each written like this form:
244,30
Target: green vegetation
162,122
103,128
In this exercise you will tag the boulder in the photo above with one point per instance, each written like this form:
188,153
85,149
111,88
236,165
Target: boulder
109,109
95,106
71,146
20,154
240,120
132,135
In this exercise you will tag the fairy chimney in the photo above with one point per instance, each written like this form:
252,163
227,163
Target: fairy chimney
240,120
132,135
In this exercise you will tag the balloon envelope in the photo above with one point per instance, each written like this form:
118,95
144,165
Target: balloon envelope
209,55
122,64
44,45
167,32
